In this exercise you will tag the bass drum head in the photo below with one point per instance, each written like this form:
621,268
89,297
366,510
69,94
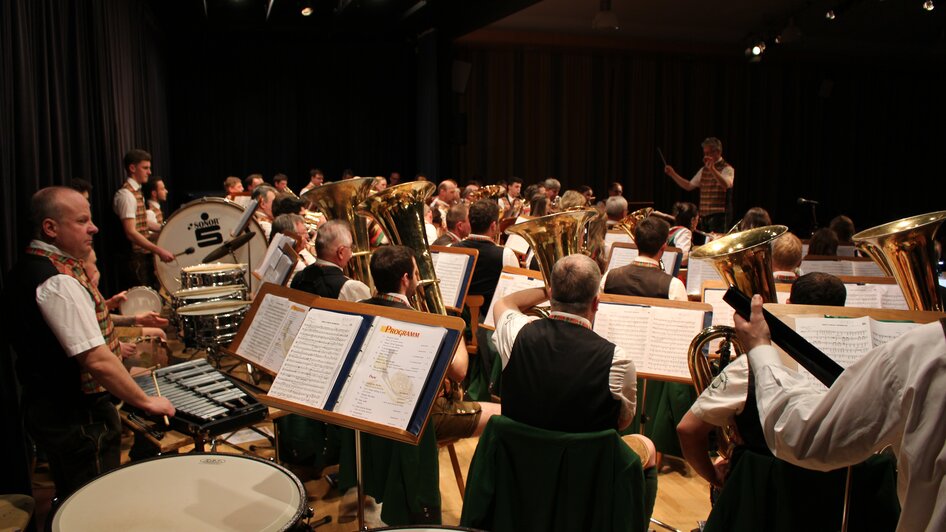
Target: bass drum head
205,224
187,492
141,299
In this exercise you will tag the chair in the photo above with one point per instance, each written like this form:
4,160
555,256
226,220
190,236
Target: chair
524,478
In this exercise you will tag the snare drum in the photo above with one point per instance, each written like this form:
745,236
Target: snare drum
202,226
187,492
215,274
211,324
140,299
207,294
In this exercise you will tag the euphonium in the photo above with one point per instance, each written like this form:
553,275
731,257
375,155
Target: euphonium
337,201
399,210
744,261
629,222
555,236
904,249
487,192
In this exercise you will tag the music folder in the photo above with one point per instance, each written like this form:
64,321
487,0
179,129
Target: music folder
365,367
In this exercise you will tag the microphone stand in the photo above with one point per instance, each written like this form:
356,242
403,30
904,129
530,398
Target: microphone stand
814,218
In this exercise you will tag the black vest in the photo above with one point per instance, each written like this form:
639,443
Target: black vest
45,371
489,264
325,281
385,303
634,280
747,421
557,378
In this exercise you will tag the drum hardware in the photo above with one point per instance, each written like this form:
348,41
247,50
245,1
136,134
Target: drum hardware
153,432
228,247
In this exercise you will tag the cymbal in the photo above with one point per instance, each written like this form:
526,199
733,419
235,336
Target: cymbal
229,246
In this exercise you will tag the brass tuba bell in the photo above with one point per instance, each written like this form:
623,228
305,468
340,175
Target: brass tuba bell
337,201
905,250
744,261
555,236
629,223
399,210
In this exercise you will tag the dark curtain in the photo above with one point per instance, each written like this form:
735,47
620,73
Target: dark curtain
82,82
863,138
288,102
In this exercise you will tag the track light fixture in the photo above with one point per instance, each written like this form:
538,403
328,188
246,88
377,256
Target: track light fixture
928,5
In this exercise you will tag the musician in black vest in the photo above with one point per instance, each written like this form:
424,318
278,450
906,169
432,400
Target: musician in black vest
68,359
558,374
644,277
327,276
484,227
395,275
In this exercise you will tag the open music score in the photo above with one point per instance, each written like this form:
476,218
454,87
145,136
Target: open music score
366,367
279,262
516,242
713,292
656,333
454,268
623,253
873,292
847,334
840,266
698,271
844,250
512,280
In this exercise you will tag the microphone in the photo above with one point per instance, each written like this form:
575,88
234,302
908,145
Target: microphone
803,201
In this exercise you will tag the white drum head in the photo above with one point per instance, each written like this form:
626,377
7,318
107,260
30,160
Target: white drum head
187,492
140,299
216,307
205,225
195,295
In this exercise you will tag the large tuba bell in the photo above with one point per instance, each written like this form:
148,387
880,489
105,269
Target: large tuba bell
904,249
554,236
337,201
744,261
399,210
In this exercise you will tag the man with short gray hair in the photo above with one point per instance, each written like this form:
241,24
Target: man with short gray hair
715,181
327,277
558,374
615,207
552,188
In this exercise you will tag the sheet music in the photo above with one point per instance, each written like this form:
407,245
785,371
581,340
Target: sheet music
885,331
669,335
892,297
698,271
285,335
275,265
390,372
834,267
258,340
450,269
843,251
867,269
315,358
621,256
722,312
656,338
509,283
516,242
613,237
863,295
845,340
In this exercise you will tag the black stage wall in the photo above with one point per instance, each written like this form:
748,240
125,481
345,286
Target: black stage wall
864,137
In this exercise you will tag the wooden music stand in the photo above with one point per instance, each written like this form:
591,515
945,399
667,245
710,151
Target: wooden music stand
467,276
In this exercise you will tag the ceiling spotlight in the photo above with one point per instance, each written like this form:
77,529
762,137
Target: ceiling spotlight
306,9
830,15
758,48
605,19
928,5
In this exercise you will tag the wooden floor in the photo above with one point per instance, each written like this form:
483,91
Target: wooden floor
681,500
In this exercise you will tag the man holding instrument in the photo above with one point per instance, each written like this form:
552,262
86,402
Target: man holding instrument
893,395
715,181
69,362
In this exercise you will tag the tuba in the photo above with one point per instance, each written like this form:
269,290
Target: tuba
555,236
399,210
629,222
904,249
337,201
744,261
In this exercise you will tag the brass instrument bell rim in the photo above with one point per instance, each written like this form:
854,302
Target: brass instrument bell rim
365,182
403,193
899,226
540,221
736,242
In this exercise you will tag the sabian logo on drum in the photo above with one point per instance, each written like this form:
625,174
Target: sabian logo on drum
206,231
213,461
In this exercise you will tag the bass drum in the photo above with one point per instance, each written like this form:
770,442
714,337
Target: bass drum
205,225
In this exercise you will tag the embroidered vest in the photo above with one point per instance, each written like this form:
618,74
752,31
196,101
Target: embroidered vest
73,268
141,219
713,195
